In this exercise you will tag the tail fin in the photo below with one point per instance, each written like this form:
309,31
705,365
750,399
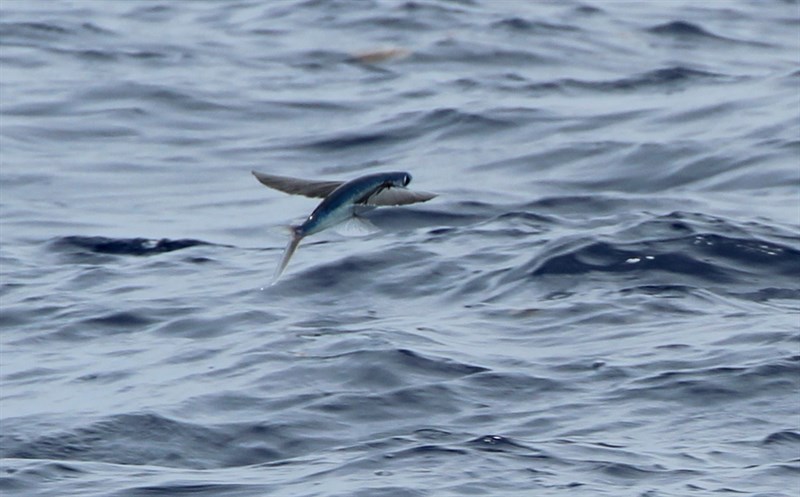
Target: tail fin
287,253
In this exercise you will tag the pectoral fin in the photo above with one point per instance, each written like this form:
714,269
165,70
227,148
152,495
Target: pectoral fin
297,186
398,196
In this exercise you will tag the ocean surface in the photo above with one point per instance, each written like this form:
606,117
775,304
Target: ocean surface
603,300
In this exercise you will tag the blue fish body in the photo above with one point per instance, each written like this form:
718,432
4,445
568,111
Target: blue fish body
341,203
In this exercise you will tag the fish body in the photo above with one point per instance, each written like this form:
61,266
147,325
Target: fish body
341,199
340,205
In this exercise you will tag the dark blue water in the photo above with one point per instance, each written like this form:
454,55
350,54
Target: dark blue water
603,300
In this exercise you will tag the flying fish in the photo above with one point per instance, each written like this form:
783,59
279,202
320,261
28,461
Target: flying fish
342,201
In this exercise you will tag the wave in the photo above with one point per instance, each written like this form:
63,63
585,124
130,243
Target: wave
665,78
443,122
718,384
682,29
77,245
147,439
676,249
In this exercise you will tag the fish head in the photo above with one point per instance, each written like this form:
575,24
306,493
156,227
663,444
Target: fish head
394,179
398,180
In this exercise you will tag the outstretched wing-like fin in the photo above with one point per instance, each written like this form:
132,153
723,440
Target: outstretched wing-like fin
297,186
398,196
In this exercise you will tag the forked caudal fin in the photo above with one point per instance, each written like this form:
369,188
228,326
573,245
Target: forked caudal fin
287,253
